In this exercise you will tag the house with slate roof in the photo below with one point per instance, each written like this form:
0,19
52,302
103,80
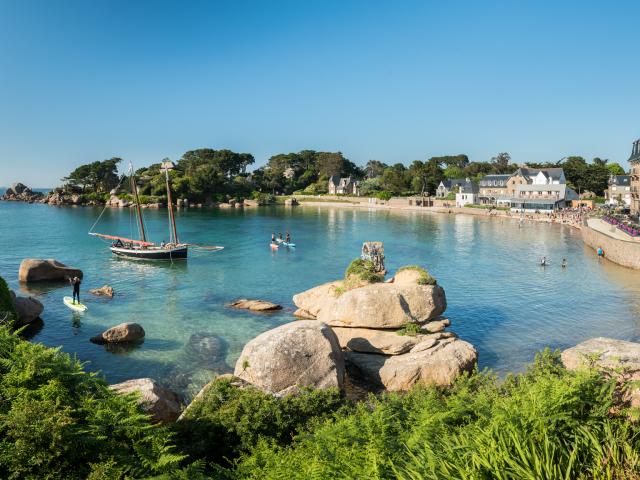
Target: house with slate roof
618,194
493,189
449,186
343,186
467,194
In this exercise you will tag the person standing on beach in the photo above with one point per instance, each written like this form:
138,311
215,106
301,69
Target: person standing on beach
75,281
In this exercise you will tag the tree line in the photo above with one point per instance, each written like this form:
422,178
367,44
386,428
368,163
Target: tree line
207,175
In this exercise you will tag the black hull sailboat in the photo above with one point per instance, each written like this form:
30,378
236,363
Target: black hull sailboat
142,249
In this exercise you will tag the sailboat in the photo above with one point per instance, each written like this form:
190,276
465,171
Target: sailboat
142,248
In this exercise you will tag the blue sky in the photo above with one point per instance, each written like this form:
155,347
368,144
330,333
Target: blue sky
393,81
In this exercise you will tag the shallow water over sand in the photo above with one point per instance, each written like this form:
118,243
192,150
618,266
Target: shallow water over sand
499,298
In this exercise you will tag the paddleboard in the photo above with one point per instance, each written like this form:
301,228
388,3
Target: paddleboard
78,307
288,244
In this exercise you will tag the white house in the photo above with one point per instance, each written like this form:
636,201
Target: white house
619,192
467,194
343,186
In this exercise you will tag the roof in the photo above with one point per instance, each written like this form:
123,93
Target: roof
502,178
335,179
635,152
469,187
453,182
624,180
554,173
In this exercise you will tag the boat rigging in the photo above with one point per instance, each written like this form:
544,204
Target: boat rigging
142,248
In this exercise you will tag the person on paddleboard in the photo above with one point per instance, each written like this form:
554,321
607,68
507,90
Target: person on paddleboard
75,281
288,238
273,237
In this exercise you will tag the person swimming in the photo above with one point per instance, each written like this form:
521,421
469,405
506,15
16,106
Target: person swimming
564,263
543,262
600,252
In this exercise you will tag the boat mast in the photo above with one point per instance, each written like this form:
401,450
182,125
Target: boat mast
166,166
134,189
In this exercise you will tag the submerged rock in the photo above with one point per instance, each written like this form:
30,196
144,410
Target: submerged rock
27,308
255,305
37,270
297,354
208,350
104,291
123,333
163,404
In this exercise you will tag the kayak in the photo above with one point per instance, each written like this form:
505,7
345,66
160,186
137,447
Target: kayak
78,307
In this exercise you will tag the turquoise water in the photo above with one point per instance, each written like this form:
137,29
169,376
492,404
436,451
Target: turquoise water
499,298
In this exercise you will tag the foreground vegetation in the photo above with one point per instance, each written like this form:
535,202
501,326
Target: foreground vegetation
57,421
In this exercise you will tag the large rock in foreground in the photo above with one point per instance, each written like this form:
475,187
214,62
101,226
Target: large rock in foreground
311,301
366,340
27,308
617,359
161,403
438,364
38,270
298,354
604,353
123,333
385,305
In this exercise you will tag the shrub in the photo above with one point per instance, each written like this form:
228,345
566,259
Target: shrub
226,420
410,330
424,279
384,195
7,311
363,270
57,421
546,423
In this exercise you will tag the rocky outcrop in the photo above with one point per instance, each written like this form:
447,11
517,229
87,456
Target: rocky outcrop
255,305
21,193
161,403
314,300
38,270
438,363
616,359
385,305
123,333
104,291
392,332
297,354
28,309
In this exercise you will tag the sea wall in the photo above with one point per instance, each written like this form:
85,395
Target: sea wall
623,253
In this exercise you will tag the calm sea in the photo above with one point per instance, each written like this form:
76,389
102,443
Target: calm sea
499,298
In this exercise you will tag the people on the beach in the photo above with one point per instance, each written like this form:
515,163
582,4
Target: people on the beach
75,282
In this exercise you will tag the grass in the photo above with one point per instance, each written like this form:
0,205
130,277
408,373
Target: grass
409,330
424,279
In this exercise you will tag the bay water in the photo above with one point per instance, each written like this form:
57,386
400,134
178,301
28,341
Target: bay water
499,298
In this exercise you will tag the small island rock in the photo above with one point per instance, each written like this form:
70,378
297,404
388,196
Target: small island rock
28,309
123,333
104,291
255,305
161,403
297,354
37,270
